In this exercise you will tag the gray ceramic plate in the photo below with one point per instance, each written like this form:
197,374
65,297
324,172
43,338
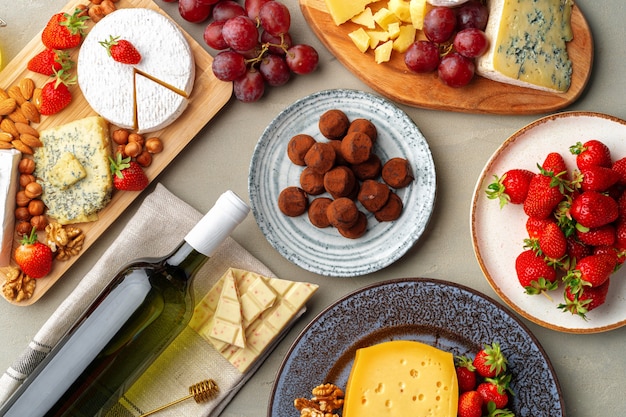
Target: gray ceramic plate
448,316
324,251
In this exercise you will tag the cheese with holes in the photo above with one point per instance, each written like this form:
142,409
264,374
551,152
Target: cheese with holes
9,184
402,378
268,306
147,96
528,44
73,169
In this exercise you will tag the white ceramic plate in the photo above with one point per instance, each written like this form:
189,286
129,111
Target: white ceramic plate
498,235
443,314
325,251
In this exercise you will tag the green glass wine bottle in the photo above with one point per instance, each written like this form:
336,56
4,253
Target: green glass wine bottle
147,304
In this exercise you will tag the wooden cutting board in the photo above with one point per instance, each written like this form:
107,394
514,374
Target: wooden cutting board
393,80
209,95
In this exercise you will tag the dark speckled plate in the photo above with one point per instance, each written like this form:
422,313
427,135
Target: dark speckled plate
448,316
325,251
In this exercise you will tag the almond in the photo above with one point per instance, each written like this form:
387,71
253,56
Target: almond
15,92
36,100
7,106
27,87
5,137
25,128
6,145
8,125
18,116
30,111
3,94
30,140
22,147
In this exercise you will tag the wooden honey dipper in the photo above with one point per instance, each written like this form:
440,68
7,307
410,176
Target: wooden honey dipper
201,392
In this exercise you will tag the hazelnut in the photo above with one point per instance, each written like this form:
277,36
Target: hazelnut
33,190
154,145
39,222
96,13
144,159
36,207
26,179
136,137
108,6
132,149
23,228
120,136
22,214
26,166
21,199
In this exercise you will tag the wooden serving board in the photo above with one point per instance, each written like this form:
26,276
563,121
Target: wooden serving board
393,80
209,95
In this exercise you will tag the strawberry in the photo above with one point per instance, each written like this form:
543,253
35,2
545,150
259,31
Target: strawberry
495,389
489,361
511,187
593,270
584,300
465,374
122,51
591,153
576,249
619,166
534,273
49,61
128,175
598,178
64,30
470,404
33,257
555,164
535,227
55,94
619,256
552,241
594,209
545,192
597,236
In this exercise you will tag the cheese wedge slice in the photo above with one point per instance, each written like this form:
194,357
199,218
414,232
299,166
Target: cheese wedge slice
341,10
527,44
402,378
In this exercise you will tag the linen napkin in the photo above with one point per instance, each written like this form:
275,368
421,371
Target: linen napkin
190,358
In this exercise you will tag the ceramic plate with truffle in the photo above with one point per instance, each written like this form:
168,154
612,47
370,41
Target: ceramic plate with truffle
342,183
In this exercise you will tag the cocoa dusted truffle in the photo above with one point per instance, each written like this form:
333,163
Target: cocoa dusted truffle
298,146
311,181
333,124
342,213
339,160
317,212
357,230
356,147
390,211
369,169
373,195
321,157
397,173
293,201
364,126
339,181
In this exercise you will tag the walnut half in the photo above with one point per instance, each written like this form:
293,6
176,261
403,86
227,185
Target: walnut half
65,241
327,398
17,285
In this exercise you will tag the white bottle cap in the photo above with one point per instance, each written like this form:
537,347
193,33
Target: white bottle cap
219,222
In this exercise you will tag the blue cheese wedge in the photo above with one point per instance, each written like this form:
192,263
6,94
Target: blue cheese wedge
528,44
73,169
9,161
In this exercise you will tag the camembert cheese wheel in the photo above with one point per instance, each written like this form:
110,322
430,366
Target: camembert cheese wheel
147,96
402,378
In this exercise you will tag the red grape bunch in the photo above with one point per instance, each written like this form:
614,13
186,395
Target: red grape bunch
254,44
455,37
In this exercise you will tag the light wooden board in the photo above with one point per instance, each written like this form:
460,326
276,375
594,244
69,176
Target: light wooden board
208,97
393,80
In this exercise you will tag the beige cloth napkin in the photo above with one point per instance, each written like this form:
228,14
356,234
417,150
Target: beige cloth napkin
190,358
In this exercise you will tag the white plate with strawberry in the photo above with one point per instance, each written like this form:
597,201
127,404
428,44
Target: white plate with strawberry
498,234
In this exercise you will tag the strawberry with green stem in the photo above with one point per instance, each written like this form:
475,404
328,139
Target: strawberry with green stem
495,390
535,274
64,30
33,257
127,174
584,300
49,61
465,373
490,361
122,50
55,94
591,153
511,187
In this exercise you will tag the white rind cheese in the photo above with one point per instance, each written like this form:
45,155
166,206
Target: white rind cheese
111,87
528,44
69,198
9,161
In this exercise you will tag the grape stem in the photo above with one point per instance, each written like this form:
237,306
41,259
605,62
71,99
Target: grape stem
264,48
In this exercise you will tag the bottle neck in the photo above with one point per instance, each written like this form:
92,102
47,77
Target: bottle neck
187,258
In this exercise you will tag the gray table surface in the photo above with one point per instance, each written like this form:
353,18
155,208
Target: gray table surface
591,368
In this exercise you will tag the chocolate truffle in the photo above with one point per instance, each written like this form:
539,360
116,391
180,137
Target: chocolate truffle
321,157
373,195
390,211
339,181
298,146
317,212
342,213
339,160
293,201
357,230
333,124
364,126
397,173
311,181
369,169
356,147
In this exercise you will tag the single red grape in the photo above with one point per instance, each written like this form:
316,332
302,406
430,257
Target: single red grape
422,56
471,42
455,70
249,87
253,6
439,24
472,14
213,35
275,70
240,33
225,9
275,18
302,59
194,11
228,65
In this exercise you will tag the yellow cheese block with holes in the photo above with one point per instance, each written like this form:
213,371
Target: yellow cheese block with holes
402,378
